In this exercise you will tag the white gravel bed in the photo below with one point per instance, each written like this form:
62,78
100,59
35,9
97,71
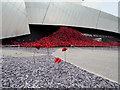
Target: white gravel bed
22,72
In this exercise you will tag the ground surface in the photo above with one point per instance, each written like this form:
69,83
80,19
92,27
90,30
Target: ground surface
101,61
19,70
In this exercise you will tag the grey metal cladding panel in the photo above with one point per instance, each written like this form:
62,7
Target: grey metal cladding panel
71,14
1,20
119,19
14,19
108,22
36,11
89,17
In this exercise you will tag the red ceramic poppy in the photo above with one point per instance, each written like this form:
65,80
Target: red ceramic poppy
64,49
29,39
38,47
47,46
58,60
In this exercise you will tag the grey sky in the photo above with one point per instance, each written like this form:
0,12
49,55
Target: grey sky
109,6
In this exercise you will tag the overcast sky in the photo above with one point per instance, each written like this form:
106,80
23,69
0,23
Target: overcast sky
109,6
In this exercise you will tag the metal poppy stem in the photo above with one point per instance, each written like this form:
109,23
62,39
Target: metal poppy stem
65,56
58,66
34,56
18,49
48,53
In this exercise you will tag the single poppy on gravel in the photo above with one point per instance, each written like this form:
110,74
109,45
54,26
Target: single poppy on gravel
64,49
58,60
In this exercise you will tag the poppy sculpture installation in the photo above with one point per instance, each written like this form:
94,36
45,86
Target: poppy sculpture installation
66,37
64,50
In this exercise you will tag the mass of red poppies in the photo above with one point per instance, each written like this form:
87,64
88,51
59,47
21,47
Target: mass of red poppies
65,37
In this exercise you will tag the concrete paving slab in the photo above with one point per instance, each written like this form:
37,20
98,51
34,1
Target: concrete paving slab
19,53
100,61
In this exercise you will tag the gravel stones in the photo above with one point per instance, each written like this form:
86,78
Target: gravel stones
22,72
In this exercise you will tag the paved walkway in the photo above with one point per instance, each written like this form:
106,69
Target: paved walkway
19,53
103,62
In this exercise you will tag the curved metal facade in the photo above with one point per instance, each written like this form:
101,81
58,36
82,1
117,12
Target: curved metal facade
67,13
14,19
16,16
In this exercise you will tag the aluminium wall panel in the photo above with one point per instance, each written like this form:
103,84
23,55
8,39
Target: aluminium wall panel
36,11
0,21
108,22
71,14
14,19
119,16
